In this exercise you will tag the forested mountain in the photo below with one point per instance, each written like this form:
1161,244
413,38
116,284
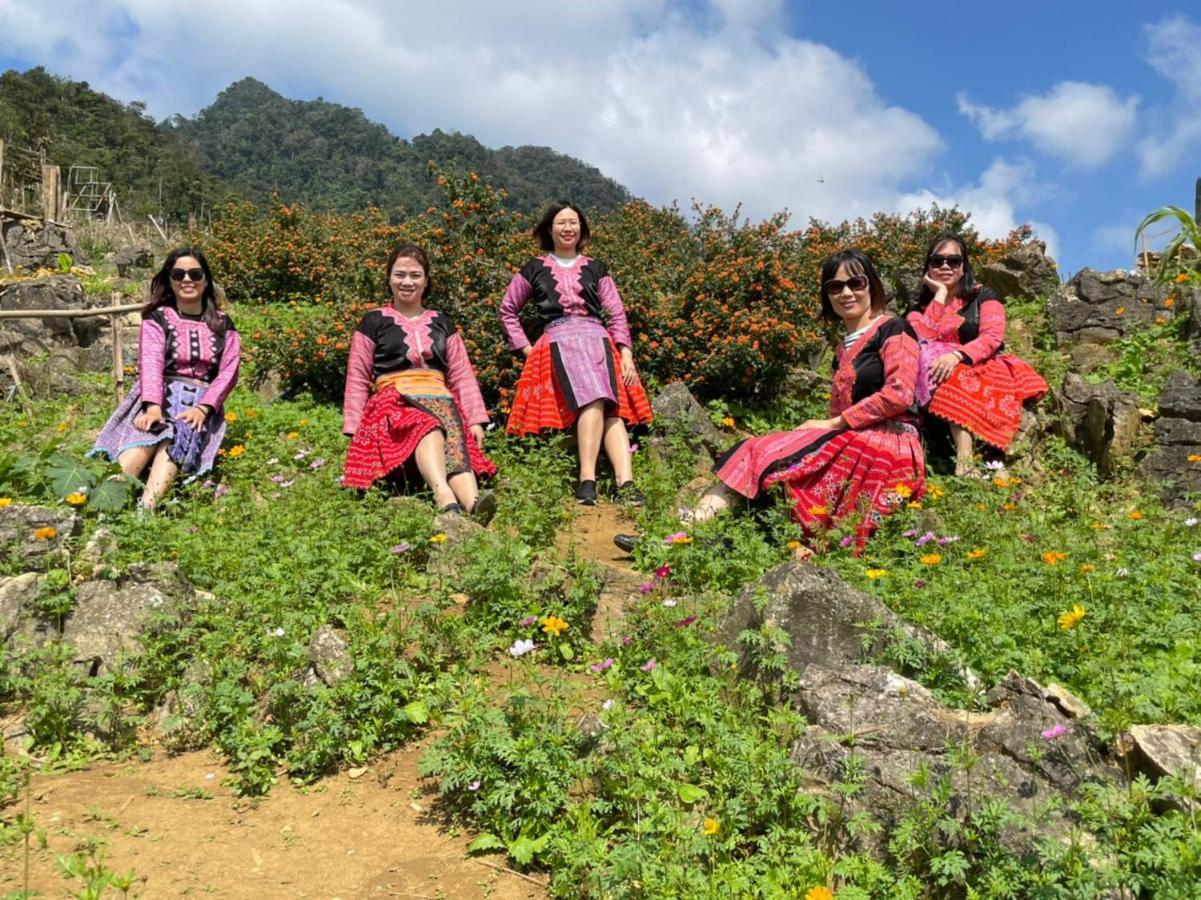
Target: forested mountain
254,142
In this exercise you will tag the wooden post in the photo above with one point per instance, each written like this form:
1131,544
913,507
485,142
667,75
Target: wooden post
118,350
1196,193
51,193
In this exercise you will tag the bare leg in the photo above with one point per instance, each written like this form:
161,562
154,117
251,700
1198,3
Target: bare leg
588,428
431,463
617,448
713,501
135,460
962,439
158,481
465,489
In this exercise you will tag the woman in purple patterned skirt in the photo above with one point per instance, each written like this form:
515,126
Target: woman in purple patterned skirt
172,418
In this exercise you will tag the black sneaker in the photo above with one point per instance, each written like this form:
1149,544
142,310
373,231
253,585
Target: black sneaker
585,493
628,495
485,507
452,508
626,542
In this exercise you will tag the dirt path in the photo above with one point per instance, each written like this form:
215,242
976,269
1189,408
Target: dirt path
172,821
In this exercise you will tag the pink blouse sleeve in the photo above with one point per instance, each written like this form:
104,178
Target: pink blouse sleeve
517,295
461,378
619,328
992,332
360,375
227,372
899,355
152,361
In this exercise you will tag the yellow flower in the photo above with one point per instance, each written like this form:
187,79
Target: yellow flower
252,413
1099,526
821,892
76,499
1054,557
44,534
304,422
712,826
1181,278
914,504
1135,514
1194,457
904,490
876,573
934,492
1071,618
5,501
982,507
728,422
931,559
1009,507
554,626
1003,482
1120,311
819,509
793,545
236,450
438,539
292,435
231,417
60,427
1085,568
976,553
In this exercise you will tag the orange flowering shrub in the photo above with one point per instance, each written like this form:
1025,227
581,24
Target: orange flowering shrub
727,306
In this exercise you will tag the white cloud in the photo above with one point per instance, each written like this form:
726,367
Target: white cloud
1085,125
671,98
993,201
1174,136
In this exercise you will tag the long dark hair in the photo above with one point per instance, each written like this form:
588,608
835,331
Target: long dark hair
162,295
967,283
408,251
857,263
542,229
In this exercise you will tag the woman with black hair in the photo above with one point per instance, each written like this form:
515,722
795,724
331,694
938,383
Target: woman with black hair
188,354
412,397
581,371
964,377
866,458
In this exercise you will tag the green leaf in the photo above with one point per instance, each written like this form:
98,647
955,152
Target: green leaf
690,793
68,475
524,849
566,652
109,495
486,841
417,712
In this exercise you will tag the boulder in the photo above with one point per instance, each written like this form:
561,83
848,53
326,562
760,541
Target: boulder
27,337
447,557
32,533
908,287
34,244
1173,462
110,617
1103,307
17,595
676,405
1160,750
127,259
329,655
1099,420
1026,272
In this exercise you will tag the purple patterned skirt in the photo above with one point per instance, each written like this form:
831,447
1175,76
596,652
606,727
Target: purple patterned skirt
583,361
193,451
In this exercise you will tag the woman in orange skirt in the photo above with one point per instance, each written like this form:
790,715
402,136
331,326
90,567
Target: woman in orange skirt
964,377
581,371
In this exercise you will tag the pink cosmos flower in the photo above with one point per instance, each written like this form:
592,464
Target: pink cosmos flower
649,665
1055,731
646,587
684,623
528,621
402,547
662,572
597,668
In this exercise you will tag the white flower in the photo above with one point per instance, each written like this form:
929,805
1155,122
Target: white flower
273,460
995,464
1191,522
1122,573
670,602
608,704
521,648
276,632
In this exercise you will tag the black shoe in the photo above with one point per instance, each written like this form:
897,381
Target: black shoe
585,493
626,542
485,507
628,495
452,508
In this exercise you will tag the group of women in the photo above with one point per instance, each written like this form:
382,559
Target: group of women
412,403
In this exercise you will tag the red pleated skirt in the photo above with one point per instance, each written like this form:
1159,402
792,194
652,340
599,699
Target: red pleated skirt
392,427
540,402
833,475
987,398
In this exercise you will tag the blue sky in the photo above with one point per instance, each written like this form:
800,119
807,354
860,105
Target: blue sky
1076,117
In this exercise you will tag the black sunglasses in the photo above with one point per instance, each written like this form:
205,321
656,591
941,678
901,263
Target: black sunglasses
936,261
855,283
191,274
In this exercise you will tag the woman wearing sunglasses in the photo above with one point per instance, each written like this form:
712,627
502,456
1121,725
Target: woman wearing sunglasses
188,352
964,378
412,399
867,457
581,372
